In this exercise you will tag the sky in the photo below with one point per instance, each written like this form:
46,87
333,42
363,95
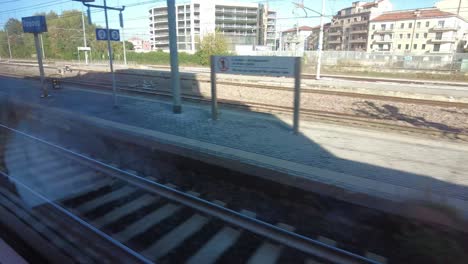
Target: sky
136,11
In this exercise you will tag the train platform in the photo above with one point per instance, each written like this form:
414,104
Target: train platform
349,163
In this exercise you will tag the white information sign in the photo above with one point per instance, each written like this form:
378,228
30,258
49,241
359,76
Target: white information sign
255,65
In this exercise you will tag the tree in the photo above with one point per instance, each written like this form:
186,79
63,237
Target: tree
212,44
22,45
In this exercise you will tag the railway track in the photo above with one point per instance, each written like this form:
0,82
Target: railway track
150,221
308,114
305,91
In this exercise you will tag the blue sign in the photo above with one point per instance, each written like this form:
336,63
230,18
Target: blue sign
101,34
34,24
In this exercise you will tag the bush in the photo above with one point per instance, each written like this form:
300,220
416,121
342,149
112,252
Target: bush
212,44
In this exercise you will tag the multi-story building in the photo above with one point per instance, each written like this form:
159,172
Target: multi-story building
427,30
268,38
295,39
240,23
140,45
454,6
349,27
313,38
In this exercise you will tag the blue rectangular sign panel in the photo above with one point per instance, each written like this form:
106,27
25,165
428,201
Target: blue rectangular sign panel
101,34
34,24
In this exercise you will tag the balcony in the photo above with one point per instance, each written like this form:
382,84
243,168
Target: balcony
387,30
335,41
161,36
336,33
382,41
160,14
336,26
358,40
160,21
160,29
362,22
361,31
445,28
443,40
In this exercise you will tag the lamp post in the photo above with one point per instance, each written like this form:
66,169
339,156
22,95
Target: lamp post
109,47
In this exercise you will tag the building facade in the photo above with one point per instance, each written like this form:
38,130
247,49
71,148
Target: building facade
349,27
454,6
240,23
140,45
313,38
418,31
295,39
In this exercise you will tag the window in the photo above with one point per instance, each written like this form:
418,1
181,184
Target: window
427,24
380,46
423,47
349,20
441,23
391,26
399,46
391,36
355,19
402,25
407,47
408,35
418,25
436,47
382,37
373,27
410,25
415,46
383,26
425,35
438,36
372,37
417,35
401,36
371,46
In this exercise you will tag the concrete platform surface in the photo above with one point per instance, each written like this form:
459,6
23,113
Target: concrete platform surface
385,165
9,255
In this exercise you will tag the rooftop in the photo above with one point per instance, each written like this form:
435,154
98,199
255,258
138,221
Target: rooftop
412,14
301,28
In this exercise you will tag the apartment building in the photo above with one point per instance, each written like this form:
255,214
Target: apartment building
349,27
240,23
418,31
313,38
454,6
295,39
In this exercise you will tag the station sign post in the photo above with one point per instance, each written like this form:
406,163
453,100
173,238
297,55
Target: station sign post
36,25
259,66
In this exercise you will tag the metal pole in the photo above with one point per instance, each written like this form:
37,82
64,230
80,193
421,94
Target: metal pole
297,94
214,97
459,7
175,81
9,46
42,47
320,44
412,33
123,45
111,65
84,37
41,67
